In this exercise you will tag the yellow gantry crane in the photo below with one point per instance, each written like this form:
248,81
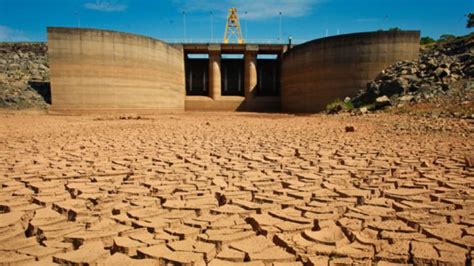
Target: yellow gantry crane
232,27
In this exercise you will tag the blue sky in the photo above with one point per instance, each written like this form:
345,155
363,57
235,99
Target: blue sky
26,20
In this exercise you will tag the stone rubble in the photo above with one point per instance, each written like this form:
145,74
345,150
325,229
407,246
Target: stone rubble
24,75
242,190
442,76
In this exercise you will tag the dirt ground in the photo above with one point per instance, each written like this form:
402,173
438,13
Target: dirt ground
227,188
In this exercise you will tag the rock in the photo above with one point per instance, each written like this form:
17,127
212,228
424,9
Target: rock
382,101
14,67
442,72
349,129
397,86
406,98
43,67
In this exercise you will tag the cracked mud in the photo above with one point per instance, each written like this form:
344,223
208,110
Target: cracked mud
225,189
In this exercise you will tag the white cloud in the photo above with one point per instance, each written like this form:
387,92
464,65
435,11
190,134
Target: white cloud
106,6
8,34
255,9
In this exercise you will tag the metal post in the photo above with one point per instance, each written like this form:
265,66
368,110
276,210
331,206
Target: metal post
184,26
246,29
78,18
212,28
384,21
279,38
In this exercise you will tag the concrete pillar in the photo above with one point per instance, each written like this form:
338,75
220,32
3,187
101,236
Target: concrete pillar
214,71
250,79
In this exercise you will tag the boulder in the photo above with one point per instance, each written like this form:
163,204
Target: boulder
382,102
442,72
406,98
14,67
396,86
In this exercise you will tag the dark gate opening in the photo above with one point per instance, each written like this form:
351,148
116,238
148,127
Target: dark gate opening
197,75
43,88
232,76
268,71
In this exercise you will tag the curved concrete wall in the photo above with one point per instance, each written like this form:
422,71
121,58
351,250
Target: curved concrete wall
106,70
317,72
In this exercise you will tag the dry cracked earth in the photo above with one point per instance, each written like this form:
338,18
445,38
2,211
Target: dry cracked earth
236,189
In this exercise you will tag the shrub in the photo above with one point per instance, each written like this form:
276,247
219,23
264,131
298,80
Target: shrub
446,38
426,40
396,29
337,106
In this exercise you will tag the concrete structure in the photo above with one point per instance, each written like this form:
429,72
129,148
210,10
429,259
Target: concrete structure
96,70
316,73
105,70
214,72
250,71
216,98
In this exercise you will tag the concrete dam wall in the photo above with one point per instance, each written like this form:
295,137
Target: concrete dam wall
317,72
96,70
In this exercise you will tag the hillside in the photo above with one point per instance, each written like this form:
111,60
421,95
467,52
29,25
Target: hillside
24,75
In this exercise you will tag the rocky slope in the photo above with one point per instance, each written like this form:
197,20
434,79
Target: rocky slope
440,81
24,75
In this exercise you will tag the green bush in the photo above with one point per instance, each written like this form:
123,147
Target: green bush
337,106
446,38
426,40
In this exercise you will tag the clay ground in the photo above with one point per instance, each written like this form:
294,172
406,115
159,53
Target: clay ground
205,188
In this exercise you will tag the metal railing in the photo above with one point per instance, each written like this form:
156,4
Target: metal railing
247,41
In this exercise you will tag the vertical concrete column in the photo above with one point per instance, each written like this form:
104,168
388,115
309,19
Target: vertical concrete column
214,71
250,82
